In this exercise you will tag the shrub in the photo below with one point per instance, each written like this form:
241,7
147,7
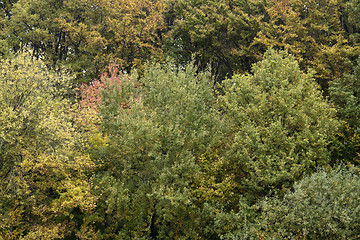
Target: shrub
325,205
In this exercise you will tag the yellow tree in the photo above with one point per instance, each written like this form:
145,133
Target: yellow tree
312,31
44,185
88,35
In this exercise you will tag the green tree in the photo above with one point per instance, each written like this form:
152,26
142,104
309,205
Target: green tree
5,13
344,93
158,129
44,185
324,205
351,21
280,125
218,33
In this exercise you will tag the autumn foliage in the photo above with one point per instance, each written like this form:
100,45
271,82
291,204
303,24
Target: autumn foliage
179,119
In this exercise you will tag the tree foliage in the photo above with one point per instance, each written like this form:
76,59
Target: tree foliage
88,35
157,129
344,93
134,145
351,21
313,32
281,125
44,186
218,33
324,205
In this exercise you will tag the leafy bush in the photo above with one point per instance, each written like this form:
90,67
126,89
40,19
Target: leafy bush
325,205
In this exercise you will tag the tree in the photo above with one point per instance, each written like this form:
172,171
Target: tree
218,33
5,13
280,125
86,36
324,205
158,128
313,32
44,184
351,21
344,93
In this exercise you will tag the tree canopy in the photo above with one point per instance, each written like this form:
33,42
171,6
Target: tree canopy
164,119
44,183
281,125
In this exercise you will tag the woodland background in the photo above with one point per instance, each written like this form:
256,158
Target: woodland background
179,119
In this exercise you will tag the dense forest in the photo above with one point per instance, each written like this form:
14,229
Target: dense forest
179,119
